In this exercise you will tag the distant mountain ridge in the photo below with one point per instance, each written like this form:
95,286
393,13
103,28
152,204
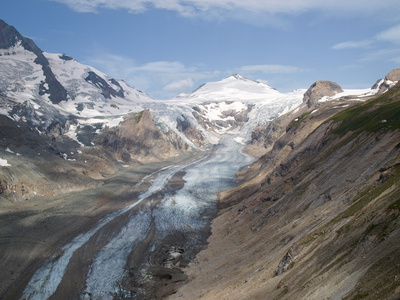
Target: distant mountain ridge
58,77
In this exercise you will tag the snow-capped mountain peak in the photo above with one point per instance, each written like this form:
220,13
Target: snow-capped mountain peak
234,87
29,74
238,77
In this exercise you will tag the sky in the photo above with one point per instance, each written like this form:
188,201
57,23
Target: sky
165,47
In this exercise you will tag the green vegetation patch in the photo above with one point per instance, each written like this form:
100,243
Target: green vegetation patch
380,281
296,122
380,113
138,117
372,193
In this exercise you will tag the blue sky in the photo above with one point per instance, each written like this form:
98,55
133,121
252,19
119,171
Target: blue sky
164,47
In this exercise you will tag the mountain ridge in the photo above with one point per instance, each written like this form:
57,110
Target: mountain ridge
10,37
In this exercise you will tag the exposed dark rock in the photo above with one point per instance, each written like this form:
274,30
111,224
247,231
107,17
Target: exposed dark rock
120,92
100,83
137,137
9,37
190,131
385,84
65,57
56,91
284,263
43,119
382,85
265,135
239,118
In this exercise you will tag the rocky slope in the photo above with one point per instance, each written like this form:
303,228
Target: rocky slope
138,138
263,136
317,216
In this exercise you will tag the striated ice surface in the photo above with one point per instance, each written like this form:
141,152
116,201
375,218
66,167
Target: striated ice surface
107,268
187,208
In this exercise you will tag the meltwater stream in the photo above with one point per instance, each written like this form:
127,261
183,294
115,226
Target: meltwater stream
183,210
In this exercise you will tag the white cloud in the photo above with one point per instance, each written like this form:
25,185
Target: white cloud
167,67
353,45
115,65
375,49
162,78
383,55
157,78
239,8
179,86
390,35
270,69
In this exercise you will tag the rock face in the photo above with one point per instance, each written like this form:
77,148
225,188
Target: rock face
10,37
320,89
190,131
393,75
383,85
107,90
138,138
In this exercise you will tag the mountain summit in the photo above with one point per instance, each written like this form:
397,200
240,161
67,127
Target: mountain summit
11,39
234,87
320,89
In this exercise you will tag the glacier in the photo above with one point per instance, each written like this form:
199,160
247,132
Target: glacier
190,210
